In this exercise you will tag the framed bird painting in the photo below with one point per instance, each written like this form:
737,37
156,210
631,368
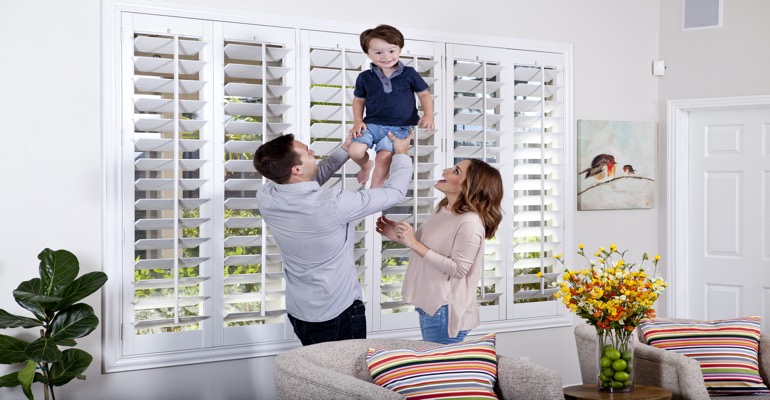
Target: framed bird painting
616,165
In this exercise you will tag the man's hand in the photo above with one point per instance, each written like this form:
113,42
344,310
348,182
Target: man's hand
348,140
400,146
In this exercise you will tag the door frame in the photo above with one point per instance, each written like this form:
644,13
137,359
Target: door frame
677,223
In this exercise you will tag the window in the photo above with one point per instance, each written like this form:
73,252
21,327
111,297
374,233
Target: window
194,272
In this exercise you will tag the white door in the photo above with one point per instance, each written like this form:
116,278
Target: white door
729,213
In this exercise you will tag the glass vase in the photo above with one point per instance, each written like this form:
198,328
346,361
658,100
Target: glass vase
615,355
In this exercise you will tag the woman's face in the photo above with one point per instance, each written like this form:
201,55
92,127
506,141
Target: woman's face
452,184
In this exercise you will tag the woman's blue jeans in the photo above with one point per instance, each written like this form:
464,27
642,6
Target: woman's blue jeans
436,328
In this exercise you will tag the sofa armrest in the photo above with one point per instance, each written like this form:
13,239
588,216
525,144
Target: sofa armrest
298,378
764,358
667,369
524,380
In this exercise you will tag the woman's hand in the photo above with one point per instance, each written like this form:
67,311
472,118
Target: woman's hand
386,228
401,233
405,234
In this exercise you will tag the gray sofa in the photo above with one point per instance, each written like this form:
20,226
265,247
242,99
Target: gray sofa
662,368
337,371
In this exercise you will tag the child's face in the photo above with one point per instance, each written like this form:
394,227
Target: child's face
383,54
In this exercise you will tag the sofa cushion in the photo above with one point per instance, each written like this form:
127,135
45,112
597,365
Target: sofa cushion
467,370
727,350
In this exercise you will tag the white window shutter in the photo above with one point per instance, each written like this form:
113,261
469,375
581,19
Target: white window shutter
538,171
258,105
481,86
421,199
169,139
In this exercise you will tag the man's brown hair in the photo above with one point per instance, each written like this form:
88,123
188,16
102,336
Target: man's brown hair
275,159
384,32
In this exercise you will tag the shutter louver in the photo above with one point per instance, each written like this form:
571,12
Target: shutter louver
257,90
538,171
170,229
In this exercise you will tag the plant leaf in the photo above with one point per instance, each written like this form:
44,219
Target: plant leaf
12,350
37,298
81,288
67,342
73,322
30,286
26,377
57,269
10,380
8,320
72,364
43,350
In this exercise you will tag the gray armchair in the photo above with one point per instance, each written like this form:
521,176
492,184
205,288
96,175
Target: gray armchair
337,370
662,368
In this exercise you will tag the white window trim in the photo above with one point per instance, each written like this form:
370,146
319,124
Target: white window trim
112,240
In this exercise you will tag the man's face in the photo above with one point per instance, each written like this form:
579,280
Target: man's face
383,54
307,160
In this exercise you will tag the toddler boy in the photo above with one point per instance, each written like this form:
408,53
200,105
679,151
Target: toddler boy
387,91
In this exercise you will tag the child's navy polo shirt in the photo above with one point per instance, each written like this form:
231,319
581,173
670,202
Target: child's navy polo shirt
397,108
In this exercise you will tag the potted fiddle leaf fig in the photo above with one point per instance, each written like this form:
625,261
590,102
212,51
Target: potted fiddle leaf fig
53,301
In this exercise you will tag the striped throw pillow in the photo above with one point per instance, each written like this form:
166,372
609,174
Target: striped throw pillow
727,350
465,370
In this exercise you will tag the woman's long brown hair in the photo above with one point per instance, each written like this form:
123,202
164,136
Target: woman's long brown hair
482,193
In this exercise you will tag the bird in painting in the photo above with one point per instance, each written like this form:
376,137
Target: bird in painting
602,166
628,169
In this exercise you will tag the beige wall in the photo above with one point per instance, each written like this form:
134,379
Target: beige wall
50,167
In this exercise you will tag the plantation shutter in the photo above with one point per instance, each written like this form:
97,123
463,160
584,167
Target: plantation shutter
538,171
331,63
258,105
481,91
201,277
421,199
169,138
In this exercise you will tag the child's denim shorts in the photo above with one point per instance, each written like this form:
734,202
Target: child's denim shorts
378,134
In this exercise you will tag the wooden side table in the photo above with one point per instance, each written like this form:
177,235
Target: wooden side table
591,392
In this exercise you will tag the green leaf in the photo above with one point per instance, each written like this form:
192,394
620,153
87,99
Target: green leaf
8,320
43,350
10,380
31,286
12,350
81,288
26,377
67,342
57,269
73,322
72,365
37,298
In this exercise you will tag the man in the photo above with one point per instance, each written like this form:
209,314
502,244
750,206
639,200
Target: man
314,229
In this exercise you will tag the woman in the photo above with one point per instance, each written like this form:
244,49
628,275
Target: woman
448,250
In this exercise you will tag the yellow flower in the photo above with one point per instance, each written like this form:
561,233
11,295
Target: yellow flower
610,293
539,274
580,246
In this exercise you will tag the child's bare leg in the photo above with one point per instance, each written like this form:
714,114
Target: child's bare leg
381,168
358,153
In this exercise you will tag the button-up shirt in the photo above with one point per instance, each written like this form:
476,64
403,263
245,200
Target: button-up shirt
314,228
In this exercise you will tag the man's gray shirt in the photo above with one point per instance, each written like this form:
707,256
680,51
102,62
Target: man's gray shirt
314,228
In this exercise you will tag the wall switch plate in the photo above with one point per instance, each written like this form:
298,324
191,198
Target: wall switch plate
658,67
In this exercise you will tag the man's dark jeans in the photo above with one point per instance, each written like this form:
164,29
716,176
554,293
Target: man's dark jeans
350,324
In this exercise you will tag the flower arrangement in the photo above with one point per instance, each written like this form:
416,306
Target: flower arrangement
611,294
614,296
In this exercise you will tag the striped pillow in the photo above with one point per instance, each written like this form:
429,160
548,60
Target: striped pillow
458,371
726,349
